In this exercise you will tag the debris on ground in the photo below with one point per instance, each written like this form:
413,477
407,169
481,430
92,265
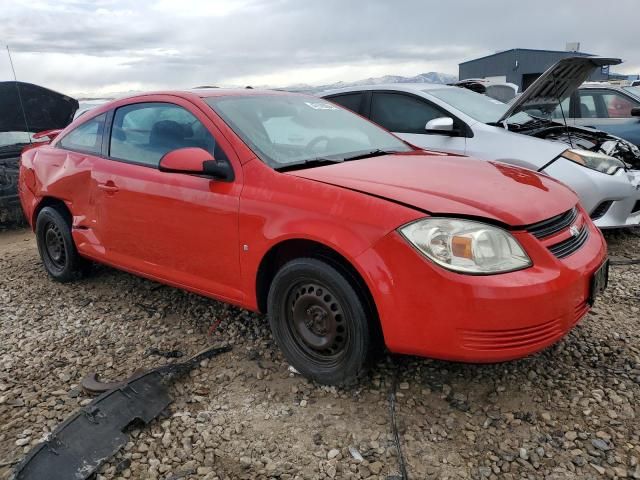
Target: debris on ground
92,435
568,412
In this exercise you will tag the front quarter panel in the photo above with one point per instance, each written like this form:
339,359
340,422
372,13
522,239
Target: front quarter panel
276,207
61,175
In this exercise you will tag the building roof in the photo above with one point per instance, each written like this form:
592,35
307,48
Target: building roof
528,50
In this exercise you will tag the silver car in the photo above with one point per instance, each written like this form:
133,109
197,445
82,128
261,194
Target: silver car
602,169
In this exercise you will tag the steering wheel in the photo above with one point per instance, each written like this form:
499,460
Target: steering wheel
314,141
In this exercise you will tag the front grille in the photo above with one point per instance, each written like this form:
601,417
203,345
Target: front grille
601,209
496,340
570,245
553,225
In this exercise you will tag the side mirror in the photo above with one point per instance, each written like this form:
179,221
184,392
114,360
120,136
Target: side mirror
635,112
441,124
195,161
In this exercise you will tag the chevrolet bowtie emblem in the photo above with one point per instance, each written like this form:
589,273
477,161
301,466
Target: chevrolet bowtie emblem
574,230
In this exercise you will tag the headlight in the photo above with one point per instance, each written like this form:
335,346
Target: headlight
594,160
466,246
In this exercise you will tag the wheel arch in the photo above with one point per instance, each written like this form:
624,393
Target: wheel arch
290,249
54,202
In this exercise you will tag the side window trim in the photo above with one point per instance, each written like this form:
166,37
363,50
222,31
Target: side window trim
106,134
465,130
368,99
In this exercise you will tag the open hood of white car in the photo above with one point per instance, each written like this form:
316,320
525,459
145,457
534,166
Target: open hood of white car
556,84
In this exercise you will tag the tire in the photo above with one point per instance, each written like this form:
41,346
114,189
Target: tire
320,322
56,247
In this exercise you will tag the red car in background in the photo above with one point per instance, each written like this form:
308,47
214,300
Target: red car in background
347,237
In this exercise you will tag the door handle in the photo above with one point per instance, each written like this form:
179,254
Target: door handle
108,187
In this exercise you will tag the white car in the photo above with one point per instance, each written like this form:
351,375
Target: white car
600,168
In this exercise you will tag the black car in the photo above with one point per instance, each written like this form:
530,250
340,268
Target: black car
25,109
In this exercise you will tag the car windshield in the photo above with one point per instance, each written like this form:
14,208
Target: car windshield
285,130
479,107
635,91
13,138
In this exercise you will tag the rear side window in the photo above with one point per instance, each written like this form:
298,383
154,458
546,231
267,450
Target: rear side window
143,133
86,137
401,113
352,101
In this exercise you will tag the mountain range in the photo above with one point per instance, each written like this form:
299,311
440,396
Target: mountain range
430,77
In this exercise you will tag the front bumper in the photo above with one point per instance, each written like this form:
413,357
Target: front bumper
428,311
619,193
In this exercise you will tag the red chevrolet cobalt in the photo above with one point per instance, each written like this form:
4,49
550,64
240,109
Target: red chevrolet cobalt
347,237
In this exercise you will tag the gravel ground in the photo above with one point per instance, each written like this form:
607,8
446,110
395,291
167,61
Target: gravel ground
568,412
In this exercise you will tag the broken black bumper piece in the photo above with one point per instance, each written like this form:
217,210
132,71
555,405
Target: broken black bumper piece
93,434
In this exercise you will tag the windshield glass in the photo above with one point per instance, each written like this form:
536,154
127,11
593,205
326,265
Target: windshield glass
13,138
477,106
290,129
635,91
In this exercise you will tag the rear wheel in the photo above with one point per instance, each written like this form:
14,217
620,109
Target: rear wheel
320,322
56,247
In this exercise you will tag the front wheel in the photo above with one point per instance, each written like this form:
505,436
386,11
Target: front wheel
320,322
56,247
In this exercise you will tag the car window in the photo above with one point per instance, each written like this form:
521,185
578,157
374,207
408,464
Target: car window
617,105
143,133
557,113
587,107
401,113
86,137
352,101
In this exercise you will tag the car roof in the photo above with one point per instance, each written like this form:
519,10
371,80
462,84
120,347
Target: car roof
215,92
599,85
209,92
404,87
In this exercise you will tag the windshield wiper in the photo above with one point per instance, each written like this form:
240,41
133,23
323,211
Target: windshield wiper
373,153
310,163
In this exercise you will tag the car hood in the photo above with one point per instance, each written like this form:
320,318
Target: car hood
44,109
451,185
557,84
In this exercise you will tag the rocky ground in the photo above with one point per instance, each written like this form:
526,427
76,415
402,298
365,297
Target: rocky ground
569,412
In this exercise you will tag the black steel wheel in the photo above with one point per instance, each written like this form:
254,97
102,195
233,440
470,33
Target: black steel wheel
320,322
56,247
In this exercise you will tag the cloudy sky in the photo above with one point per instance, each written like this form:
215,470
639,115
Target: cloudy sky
100,46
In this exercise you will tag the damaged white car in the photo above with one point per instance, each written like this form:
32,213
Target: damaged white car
600,168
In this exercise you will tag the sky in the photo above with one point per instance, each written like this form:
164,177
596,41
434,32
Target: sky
97,47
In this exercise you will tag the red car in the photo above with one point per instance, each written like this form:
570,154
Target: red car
347,237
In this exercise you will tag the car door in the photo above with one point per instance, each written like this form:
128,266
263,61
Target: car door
180,228
407,115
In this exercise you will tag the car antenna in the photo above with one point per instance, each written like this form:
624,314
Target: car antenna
15,78
564,119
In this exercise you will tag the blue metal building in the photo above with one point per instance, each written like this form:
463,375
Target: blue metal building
520,66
